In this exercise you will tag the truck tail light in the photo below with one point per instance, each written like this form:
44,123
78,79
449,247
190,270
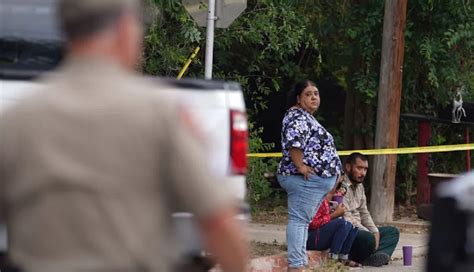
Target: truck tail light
238,142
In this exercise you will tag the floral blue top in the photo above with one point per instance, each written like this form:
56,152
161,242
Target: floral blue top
301,130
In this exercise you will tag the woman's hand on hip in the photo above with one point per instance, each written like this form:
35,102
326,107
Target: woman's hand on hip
306,171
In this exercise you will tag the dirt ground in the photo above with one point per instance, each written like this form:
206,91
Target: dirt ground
278,215
268,215
258,249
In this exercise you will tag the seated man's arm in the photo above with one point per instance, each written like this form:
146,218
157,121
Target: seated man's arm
353,219
352,211
365,217
377,240
368,222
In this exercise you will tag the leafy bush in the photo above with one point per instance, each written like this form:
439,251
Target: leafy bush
276,42
258,186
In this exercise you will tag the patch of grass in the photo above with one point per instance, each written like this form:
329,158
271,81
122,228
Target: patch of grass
277,213
332,266
273,211
274,215
259,249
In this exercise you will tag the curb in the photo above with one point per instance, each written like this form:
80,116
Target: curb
406,224
279,263
408,227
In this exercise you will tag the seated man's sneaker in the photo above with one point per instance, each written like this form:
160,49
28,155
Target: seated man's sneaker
377,259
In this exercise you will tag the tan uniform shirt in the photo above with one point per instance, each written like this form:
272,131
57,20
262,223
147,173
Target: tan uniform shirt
357,212
92,166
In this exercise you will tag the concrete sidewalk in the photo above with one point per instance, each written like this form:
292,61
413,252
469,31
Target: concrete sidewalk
418,265
267,233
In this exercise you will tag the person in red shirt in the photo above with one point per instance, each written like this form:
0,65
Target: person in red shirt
329,230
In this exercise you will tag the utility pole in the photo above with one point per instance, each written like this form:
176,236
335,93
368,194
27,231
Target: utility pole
384,167
219,13
211,18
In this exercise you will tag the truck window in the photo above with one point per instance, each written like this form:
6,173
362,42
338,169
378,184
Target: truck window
29,37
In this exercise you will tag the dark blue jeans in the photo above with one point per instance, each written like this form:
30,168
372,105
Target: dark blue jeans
337,235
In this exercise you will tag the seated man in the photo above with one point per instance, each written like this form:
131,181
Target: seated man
373,246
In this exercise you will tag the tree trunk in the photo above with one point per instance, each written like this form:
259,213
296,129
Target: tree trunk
388,110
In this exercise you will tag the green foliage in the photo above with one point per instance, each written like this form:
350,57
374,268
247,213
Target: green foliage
258,187
170,40
276,42
264,49
438,55
449,162
269,45
438,59
463,32
350,41
406,179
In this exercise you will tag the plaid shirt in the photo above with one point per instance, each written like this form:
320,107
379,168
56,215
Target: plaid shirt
357,212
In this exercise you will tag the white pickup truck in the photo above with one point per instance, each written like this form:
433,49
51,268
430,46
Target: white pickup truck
216,107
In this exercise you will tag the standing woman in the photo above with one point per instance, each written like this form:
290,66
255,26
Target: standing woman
308,170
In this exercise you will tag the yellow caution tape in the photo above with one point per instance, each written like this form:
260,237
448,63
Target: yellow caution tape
387,151
188,62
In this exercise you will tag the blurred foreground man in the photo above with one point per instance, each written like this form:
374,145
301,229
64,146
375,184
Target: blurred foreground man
92,166
373,246
451,244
